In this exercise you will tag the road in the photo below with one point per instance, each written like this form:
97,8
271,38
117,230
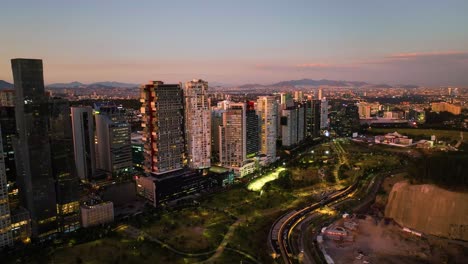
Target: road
280,241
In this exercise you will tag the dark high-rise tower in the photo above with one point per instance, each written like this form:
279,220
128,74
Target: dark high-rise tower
46,172
313,118
32,148
253,125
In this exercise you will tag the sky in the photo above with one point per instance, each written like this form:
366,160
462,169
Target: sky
244,41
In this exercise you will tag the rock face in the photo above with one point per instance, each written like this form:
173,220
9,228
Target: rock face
429,209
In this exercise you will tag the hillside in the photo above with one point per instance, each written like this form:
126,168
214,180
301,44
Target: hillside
446,214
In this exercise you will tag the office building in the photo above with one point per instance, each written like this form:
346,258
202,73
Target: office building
32,147
252,126
293,125
298,96
114,149
313,118
232,136
83,141
216,121
6,236
320,94
197,124
267,111
63,165
163,127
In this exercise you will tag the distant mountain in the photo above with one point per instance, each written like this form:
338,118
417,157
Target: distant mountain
5,85
310,82
66,85
409,86
251,85
115,84
381,86
95,85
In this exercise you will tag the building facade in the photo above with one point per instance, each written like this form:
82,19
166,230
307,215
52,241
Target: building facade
163,127
6,236
267,111
232,136
32,147
114,149
197,124
93,214
252,126
83,141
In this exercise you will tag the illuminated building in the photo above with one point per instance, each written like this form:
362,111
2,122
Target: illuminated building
267,111
232,136
113,134
7,98
197,124
83,141
96,213
163,127
6,237
446,107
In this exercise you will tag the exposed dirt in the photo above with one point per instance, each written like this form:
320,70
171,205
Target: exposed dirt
381,241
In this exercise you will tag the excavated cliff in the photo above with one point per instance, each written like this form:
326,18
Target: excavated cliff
429,209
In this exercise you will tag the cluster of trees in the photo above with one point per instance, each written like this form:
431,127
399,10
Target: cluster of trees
448,170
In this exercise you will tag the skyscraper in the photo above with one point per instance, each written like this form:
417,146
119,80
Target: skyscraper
293,125
63,165
197,124
232,136
83,141
114,147
313,118
163,127
253,125
32,147
267,110
6,236
324,114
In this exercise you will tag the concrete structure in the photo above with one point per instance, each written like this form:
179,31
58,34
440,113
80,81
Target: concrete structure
267,111
93,214
313,118
83,141
216,121
197,124
6,236
364,110
446,107
163,127
232,136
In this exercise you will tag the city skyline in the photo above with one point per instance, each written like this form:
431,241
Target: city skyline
237,43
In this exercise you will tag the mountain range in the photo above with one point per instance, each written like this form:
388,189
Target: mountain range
93,85
290,83
5,85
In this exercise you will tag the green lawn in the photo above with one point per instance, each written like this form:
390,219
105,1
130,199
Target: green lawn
421,133
115,250
193,229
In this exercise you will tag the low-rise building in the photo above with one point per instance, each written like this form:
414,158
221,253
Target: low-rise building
96,213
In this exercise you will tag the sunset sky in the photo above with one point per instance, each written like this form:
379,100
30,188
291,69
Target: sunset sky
233,42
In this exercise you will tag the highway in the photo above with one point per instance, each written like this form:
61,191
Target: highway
280,233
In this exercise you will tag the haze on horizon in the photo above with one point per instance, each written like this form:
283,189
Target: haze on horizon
235,42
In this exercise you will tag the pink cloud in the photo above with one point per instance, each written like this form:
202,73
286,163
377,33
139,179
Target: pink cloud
416,55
